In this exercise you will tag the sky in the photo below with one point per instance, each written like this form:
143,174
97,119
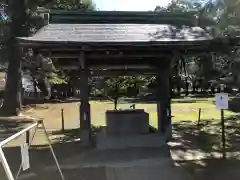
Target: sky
129,5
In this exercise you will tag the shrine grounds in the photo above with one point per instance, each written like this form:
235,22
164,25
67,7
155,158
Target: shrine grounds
196,145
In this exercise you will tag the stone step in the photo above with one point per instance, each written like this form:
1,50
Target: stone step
104,142
145,169
147,172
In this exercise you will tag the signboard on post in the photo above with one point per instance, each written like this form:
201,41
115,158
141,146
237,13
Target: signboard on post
25,157
221,100
222,104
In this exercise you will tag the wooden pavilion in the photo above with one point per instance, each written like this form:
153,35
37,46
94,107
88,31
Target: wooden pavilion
123,43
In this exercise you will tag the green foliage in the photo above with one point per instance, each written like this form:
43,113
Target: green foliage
68,4
225,13
228,24
57,78
185,5
42,66
123,85
222,16
4,35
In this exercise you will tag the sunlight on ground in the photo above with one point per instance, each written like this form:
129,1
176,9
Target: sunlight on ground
189,111
182,110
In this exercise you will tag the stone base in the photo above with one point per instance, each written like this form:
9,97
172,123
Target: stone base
127,122
129,141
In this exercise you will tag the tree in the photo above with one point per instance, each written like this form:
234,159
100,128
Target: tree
68,4
226,13
221,18
12,100
184,5
116,87
4,34
23,23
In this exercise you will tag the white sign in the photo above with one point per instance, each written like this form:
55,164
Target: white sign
221,100
25,156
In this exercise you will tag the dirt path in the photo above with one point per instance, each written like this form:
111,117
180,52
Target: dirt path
51,115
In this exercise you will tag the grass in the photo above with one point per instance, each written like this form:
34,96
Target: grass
189,111
182,110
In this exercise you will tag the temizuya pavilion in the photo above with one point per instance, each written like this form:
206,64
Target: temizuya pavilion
123,43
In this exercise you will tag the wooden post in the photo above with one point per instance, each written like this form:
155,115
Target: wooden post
222,103
62,115
84,106
223,135
116,96
163,100
115,103
199,116
28,138
85,121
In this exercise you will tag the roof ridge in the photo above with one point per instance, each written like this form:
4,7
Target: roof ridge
122,17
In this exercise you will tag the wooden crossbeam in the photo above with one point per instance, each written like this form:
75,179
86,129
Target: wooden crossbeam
107,56
114,72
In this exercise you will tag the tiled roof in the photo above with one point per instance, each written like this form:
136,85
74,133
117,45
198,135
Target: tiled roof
117,33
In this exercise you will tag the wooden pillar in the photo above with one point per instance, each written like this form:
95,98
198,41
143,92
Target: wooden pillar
85,119
164,101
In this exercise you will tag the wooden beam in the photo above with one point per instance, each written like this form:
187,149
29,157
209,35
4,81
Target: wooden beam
126,48
69,67
120,67
123,72
113,72
133,54
81,59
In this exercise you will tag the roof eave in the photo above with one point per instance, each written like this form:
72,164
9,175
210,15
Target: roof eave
25,41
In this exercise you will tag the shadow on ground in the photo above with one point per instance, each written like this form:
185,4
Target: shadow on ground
188,139
9,126
199,150
81,162
31,101
78,162
234,104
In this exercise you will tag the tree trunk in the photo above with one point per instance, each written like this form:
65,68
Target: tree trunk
12,97
13,90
